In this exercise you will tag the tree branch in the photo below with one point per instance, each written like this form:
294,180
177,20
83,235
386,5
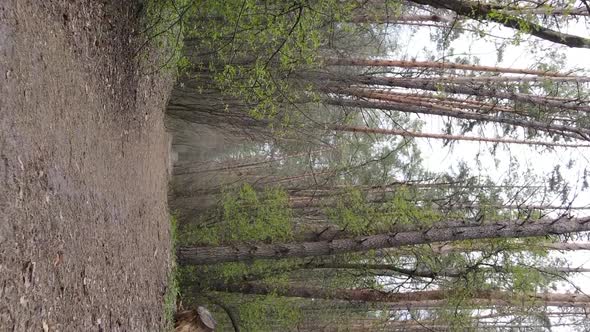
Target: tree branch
486,12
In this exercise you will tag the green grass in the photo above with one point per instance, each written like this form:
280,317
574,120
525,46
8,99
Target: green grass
173,289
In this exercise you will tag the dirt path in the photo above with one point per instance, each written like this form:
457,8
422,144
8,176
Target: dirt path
84,243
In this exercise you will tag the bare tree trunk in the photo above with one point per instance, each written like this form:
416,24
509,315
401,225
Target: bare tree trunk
435,65
549,11
500,229
373,295
495,79
394,103
522,207
405,133
230,167
443,248
450,101
428,273
392,187
479,11
384,19
465,89
373,324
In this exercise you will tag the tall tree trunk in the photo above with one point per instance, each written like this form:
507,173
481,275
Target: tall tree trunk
394,103
505,229
325,230
548,11
428,273
443,248
494,79
384,19
479,11
406,133
573,104
435,65
373,295
228,166
338,190
450,101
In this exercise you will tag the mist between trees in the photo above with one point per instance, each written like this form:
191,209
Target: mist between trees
300,189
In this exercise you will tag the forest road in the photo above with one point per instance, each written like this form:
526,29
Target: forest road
84,229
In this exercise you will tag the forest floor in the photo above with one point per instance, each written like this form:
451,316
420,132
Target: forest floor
84,226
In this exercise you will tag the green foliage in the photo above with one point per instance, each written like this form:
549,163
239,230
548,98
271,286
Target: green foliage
252,47
255,313
249,216
270,271
173,231
516,261
526,280
165,25
245,216
282,35
173,289
355,213
253,50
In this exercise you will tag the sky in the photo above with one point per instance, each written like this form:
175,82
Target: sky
439,158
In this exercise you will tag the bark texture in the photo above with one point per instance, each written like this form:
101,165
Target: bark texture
373,295
479,11
435,65
406,133
506,229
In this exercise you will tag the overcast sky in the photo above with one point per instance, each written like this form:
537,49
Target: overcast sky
438,158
